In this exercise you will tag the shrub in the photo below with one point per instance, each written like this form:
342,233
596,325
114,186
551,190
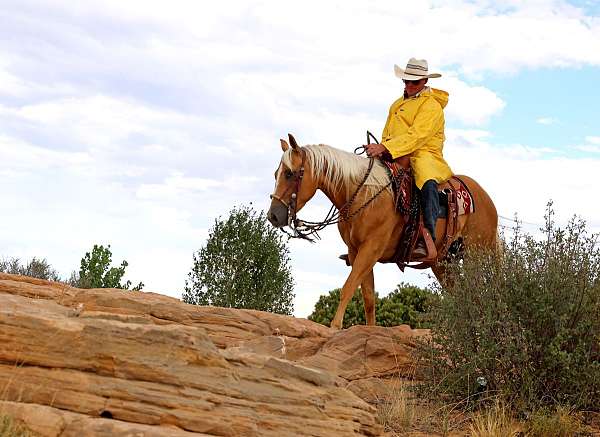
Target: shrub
405,305
244,264
524,325
36,268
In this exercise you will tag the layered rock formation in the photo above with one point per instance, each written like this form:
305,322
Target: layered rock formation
108,362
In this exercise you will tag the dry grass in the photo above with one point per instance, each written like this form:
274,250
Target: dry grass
403,414
561,423
495,421
396,410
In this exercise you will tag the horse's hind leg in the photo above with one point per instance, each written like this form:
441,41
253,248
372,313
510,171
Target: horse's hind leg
367,288
441,273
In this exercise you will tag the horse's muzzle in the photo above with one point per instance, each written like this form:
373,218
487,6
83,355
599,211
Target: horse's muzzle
278,213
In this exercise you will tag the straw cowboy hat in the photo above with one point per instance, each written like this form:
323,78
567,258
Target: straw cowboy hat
416,69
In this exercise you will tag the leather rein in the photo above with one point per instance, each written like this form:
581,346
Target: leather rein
306,229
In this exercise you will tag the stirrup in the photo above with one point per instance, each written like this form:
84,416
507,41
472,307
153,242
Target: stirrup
426,243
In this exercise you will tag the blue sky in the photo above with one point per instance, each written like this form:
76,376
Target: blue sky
137,123
567,98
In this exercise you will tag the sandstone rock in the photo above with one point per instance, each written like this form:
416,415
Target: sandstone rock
135,363
367,351
142,373
225,326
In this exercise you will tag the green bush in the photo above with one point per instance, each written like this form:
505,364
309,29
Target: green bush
524,326
405,305
96,271
244,264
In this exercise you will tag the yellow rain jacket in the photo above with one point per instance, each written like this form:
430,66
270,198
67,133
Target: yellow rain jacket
415,127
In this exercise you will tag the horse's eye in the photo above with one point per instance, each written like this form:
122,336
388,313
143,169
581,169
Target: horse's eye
288,174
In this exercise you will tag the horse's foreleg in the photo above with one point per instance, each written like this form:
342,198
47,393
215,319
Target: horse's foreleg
367,288
363,264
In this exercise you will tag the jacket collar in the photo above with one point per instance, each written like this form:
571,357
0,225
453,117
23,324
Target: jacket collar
424,90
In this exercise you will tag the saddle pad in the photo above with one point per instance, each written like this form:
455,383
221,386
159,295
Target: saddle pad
464,198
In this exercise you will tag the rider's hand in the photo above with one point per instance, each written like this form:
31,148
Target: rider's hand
375,150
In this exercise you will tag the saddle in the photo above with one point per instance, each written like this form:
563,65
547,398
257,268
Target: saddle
455,200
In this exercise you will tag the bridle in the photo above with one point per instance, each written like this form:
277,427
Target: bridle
305,229
291,206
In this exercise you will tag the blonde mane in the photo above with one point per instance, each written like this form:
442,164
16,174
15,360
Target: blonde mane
340,168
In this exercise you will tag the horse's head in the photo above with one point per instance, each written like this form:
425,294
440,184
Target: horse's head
294,184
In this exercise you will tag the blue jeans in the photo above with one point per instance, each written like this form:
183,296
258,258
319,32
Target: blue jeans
430,202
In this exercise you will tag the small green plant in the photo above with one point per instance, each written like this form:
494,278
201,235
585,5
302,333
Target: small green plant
9,428
244,264
524,326
405,305
96,271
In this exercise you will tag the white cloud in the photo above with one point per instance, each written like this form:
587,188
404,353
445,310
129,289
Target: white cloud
593,140
592,148
137,123
546,120
471,105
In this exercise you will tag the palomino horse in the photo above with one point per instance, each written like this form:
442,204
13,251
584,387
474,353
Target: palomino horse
373,233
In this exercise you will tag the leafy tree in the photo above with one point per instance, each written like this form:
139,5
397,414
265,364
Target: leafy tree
327,304
405,305
244,264
96,272
36,268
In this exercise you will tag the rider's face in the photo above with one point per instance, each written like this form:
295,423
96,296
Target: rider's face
412,87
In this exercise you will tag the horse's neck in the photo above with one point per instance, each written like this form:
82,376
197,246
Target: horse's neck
339,195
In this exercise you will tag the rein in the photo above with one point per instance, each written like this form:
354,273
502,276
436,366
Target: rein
305,229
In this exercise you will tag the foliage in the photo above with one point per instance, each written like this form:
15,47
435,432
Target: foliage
524,325
96,271
244,264
36,268
405,305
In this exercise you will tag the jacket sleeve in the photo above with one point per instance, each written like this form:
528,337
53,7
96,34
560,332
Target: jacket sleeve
428,121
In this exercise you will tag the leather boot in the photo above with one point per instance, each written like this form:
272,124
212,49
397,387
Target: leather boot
420,251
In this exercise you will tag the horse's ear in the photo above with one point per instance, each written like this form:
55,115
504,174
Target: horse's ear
293,142
284,145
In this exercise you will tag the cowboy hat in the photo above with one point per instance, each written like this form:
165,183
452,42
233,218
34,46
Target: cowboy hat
416,69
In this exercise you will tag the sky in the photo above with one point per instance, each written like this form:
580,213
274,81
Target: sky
138,123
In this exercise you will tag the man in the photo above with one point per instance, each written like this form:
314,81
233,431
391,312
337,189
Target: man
415,127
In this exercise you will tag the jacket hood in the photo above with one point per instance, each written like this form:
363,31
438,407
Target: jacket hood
440,95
